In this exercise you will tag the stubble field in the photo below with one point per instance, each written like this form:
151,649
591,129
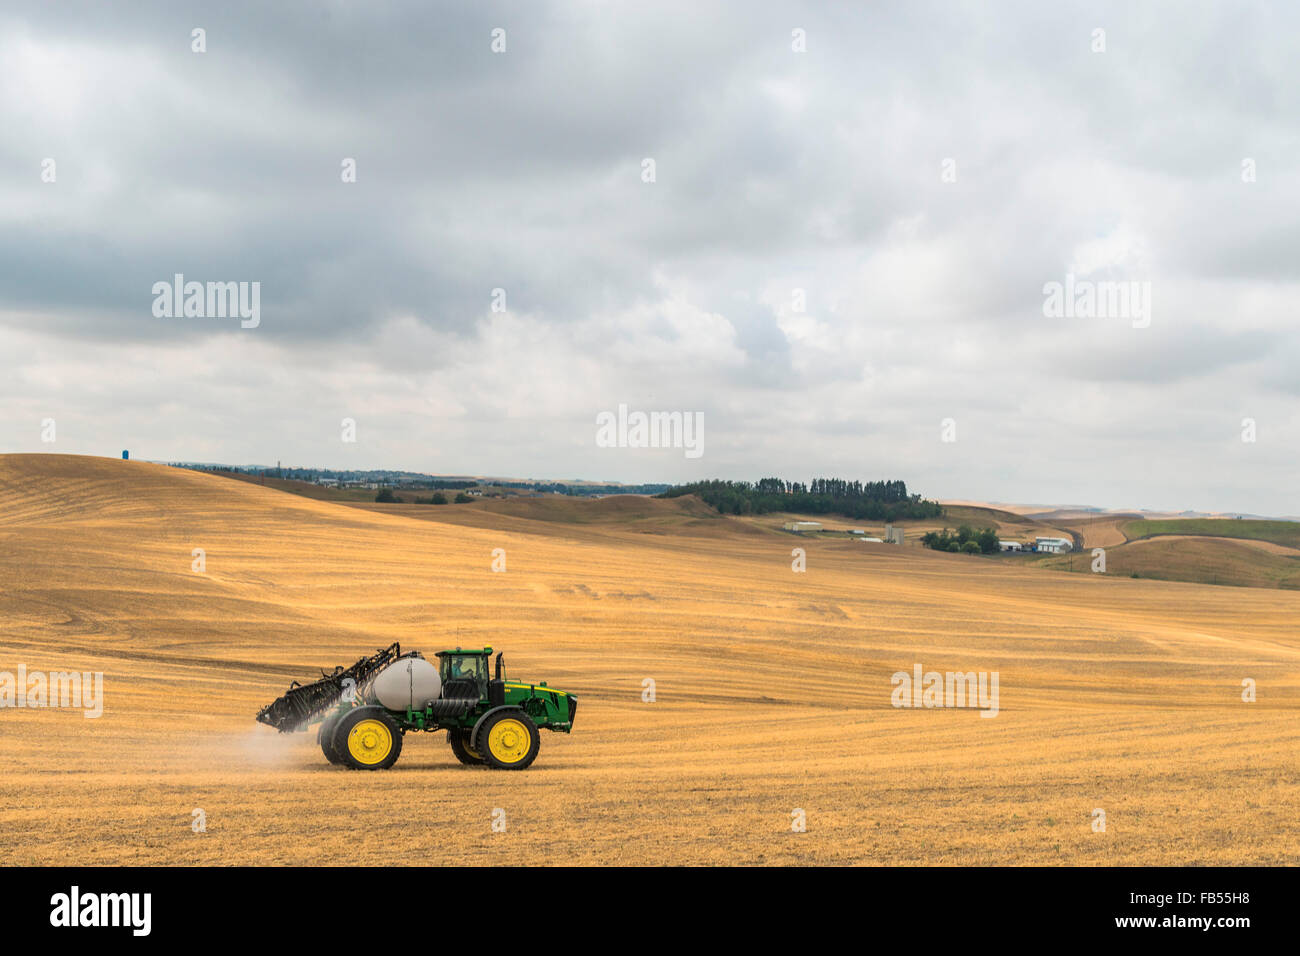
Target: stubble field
772,688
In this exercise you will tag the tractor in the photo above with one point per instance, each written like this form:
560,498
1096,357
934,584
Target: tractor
365,710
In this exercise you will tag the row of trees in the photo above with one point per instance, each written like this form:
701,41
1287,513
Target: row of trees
386,496
967,540
582,491
874,500
838,488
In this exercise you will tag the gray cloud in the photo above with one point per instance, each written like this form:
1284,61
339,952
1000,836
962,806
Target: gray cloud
776,171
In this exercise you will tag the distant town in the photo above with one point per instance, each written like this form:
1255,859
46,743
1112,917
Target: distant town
471,485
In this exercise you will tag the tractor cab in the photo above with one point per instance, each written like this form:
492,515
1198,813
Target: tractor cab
465,674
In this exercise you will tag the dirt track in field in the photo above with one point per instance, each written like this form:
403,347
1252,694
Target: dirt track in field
772,688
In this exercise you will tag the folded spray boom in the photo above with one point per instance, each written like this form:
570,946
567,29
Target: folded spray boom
302,704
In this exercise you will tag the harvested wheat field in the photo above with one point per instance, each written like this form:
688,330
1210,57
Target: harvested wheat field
772,688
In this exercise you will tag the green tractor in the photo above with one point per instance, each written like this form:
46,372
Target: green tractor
366,709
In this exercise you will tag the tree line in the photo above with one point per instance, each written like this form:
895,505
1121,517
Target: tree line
386,496
873,500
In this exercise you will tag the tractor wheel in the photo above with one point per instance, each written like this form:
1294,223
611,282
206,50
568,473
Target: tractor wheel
367,738
459,738
325,737
509,740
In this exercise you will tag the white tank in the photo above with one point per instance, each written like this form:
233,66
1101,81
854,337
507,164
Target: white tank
409,682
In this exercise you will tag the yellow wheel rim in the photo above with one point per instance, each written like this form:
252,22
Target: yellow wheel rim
510,740
369,742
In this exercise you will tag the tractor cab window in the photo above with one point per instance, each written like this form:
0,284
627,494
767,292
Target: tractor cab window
468,668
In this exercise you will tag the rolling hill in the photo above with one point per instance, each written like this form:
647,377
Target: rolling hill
1285,533
1215,551
772,689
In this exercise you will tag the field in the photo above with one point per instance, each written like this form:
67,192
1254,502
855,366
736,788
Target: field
772,688
1279,532
1210,560
1218,551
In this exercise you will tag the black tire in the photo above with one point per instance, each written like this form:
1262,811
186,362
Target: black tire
527,750
325,737
458,737
356,727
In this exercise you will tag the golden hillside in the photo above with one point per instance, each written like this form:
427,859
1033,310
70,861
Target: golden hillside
773,688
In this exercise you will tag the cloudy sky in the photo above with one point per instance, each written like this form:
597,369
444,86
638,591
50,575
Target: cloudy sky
853,214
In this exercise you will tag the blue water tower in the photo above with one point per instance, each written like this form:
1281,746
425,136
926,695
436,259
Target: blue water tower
125,454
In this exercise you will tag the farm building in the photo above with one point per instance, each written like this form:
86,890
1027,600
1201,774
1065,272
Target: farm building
1054,545
1011,546
873,540
803,526
857,531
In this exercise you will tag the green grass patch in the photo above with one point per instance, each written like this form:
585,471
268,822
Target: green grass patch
1279,532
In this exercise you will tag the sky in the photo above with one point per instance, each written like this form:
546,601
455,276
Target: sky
826,231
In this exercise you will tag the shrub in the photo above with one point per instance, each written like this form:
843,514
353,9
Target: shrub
386,496
463,498
966,539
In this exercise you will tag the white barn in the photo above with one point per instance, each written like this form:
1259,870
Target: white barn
1054,545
